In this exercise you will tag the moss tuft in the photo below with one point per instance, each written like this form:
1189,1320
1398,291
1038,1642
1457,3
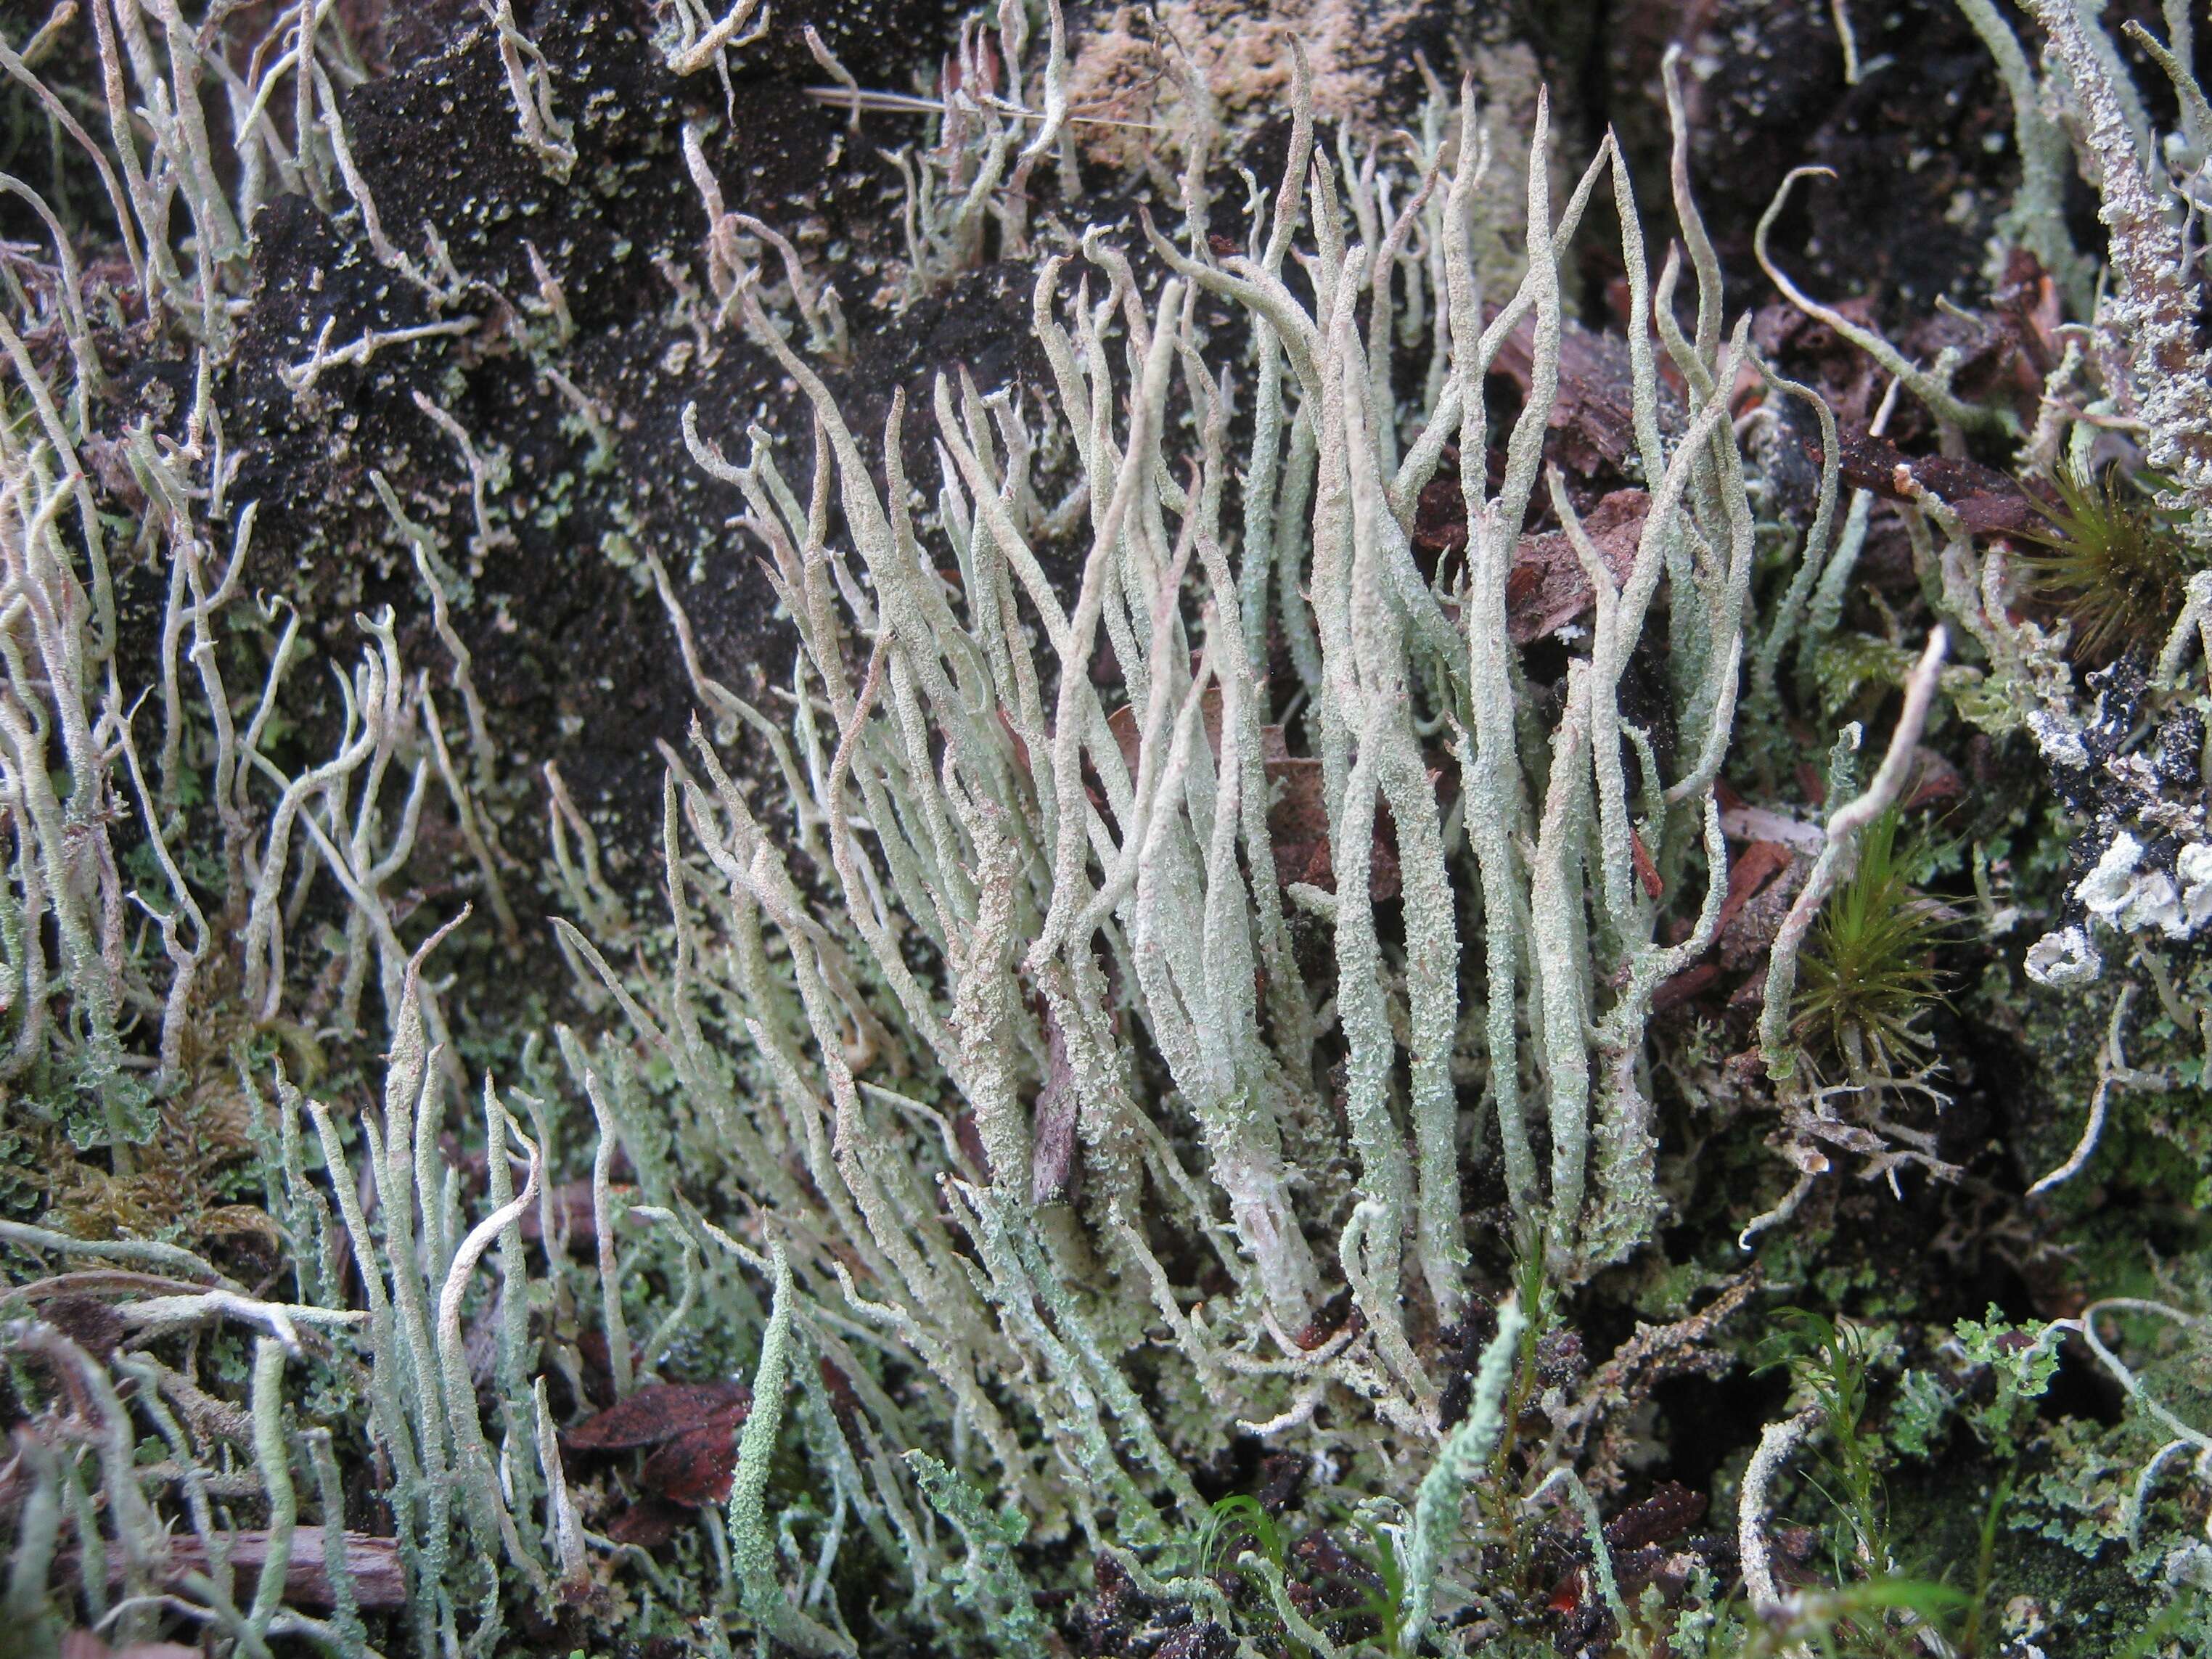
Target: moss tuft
1869,973
2112,562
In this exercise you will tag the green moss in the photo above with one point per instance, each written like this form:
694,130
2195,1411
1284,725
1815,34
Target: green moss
2110,562
1869,974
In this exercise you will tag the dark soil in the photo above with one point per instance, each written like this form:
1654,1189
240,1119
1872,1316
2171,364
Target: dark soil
573,652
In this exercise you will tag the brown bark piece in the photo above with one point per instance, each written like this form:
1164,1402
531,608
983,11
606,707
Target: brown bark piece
1671,1510
373,1562
1052,1158
1987,502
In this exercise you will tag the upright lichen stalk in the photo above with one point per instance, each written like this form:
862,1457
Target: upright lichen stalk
1094,874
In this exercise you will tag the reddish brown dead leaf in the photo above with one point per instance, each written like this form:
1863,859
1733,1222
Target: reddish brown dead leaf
2028,300
1809,350
598,1371
1126,723
1593,421
1751,869
2001,355
1558,592
1763,898
1593,418
695,1468
1439,520
1749,872
1524,586
1691,982
657,1411
1592,427
1297,818
1810,780
1297,825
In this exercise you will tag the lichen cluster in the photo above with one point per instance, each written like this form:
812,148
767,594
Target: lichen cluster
1296,866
